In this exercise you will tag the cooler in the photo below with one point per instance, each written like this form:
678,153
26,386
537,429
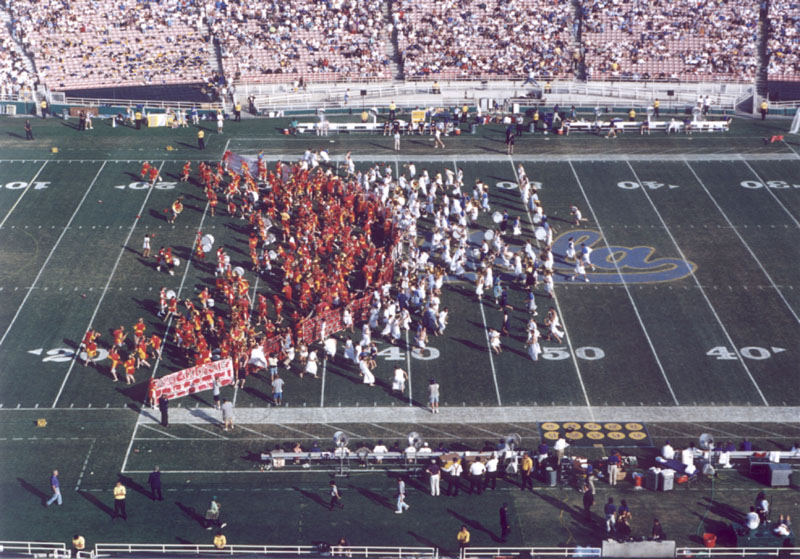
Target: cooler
651,480
667,480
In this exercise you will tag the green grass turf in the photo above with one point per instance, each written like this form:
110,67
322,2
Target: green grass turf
680,323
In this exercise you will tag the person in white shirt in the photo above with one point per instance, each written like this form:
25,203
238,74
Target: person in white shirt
667,452
424,449
560,447
752,521
379,450
477,470
687,455
491,471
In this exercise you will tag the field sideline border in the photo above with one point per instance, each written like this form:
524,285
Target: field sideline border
465,157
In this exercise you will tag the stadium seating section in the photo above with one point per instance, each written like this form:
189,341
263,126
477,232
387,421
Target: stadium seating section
104,43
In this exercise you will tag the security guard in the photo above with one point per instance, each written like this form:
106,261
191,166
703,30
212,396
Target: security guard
392,110
656,104
632,114
43,105
764,109
138,118
237,112
201,142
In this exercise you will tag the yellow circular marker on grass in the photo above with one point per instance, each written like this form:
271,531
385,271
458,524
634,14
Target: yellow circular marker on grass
551,435
550,426
637,435
595,435
612,426
572,425
634,426
592,426
616,435
574,435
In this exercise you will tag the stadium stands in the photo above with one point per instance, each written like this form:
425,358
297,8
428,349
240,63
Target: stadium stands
90,43
97,43
484,38
14,77
670,39
783,45
302,40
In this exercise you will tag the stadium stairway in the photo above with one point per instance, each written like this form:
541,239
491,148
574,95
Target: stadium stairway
392,50
5,20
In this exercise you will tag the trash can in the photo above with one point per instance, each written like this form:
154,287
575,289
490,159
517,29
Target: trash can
473,128
709,540
532,127
667,480
552,476
637,480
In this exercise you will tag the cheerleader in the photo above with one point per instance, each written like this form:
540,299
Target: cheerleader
364,363
330,348
532,303
554,324
366,335
580,270
494,341
576,214
516,227
347,319
421,337
479,287
532,343
350,351
311,365
570,253
302,354
548,283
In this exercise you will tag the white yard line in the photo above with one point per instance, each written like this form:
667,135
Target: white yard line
85,464
567,337
105,288
322,388
130,444
626,286
36,176
52,251
774,196
697,282
180,288
193,426
486,334
159,432
753,254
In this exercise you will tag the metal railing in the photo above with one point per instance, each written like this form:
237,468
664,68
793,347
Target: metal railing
148,104
723,552
494,552
32,548
106,549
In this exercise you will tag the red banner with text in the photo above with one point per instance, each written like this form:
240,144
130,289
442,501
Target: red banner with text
193,379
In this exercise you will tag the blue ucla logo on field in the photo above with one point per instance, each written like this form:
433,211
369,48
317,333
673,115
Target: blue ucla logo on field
618,264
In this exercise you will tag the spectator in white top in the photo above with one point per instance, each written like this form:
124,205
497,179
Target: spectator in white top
752,521
477,470
379,450
687,455
667,452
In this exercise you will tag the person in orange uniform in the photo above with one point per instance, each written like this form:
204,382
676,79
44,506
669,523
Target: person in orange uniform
145,169
177,208
153,175
91,352
113,354
138,331
130,369
155,344
141,354
187,169
119,337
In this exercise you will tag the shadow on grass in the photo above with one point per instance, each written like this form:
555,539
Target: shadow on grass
33,490
98,503
313,496
474,524
376,498
192,514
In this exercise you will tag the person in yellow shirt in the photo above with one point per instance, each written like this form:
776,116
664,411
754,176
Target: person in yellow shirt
119,501
44,108
220,541
78,544
364,116
464,113
138,118
632,114
764,109
526,471
656,104
201,142
392,110
237,112
463,537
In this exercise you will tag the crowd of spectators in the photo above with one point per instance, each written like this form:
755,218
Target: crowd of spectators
14,77
674,39
93,43
99,43
783,45
304,39
474,38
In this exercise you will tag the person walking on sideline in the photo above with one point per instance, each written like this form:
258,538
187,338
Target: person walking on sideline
588,501
213,514
336,497
433,395
56,486
401,497
163,407
610,511
435,473
201,142
227,414
119,501
505,526
28,130
154,480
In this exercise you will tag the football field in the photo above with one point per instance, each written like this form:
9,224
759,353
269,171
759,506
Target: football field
691,313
